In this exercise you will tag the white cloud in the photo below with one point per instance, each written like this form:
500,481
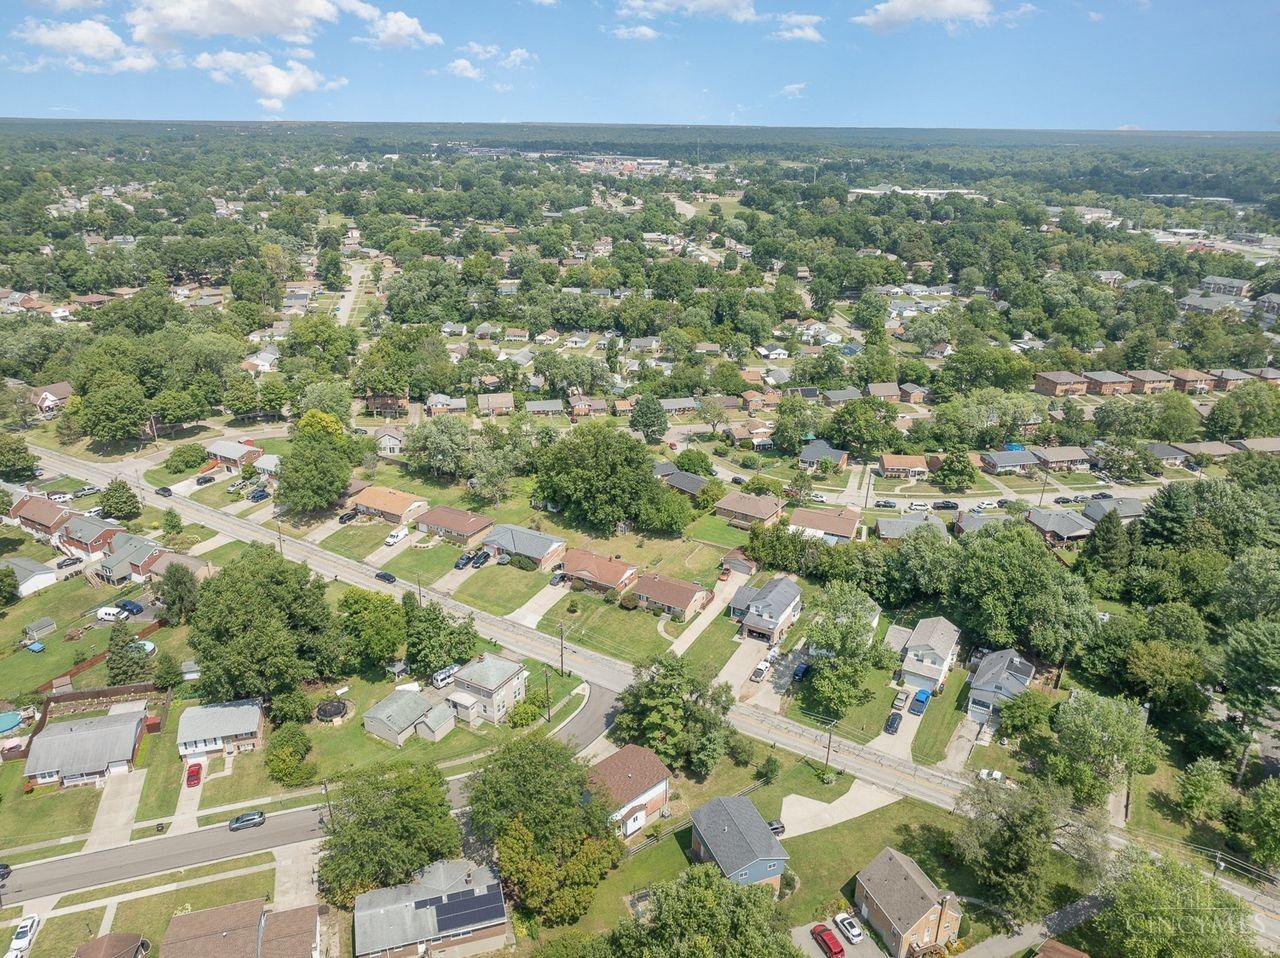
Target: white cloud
517,57
798,26
67,6
503,87
636,33
1128,127
398,29
1094,16
86,46
742,11
546,3
892,14
792,91
275,83
301,53
462,67
481,51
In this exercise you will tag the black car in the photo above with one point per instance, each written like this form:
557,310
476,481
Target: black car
68,562
739,480
360,431
1102,495
464,560
5,872
164,491
205,480
386,577
777,827
1062,501
347,517
247,820
892,723
1001,503
483,556
942,504
886,504
800,672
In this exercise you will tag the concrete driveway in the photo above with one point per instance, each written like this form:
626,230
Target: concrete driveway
532,611
450,581
384,554
715,608
741,664
802,815
801,938
326,528
113,823
899,745
186,815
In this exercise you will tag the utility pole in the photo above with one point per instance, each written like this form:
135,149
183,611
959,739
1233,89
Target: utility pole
1044,487
419,578
328,803
827,762
562,648
546,684
279,537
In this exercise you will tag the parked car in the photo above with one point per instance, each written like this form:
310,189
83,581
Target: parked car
991,775
557,578
246,820
24,933
777,827
817,497
1080,498
445,676
1062,501
986,504
760,671
205,480
111,613
739,480
164,492
193,774
60,497
918,507
942,504
1102,495
464,560
893,723
5,871
900,701
86,491
360,430
133,608
920,702
483,556
826,941
386,577
848,928
258,495
237,485
95,511
724,575
885,504
68,562
503,559
395,535
1001,503
347,517
800,672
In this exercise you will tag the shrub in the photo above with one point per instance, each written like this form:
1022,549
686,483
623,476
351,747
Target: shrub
577,585
291,706
287,750
188,456
523,713
750,461
788,883
572,607
524,563
629,602
740,749
537,697
770,769
611,596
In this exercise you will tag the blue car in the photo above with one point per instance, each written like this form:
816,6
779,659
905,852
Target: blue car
801,671
464,560
258,495
483,556
128,605
920,702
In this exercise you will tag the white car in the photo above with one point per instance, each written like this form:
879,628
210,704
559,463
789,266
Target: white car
918,506
987,504
396,536
848,928
60,497
817,497
24,933
991,775
760,671
109,613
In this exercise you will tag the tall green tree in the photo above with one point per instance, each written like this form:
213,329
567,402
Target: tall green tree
179,592
126,660
649,418
118,501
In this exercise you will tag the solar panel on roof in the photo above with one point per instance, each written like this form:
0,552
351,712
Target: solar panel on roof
476,909
459,895
428,902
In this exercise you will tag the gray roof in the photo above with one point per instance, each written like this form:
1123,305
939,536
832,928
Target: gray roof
438,716
899,527
937,633
819,450
25,568
88,528
489,671
228,448
1106,376
972,521
83,746
521,541
544,405
399,710
1127,508
904,892
735,834
664,467
220,720
774,597
1064,523
1162,451
1006,669
389,918
127,549
842,395
687,482
1009,458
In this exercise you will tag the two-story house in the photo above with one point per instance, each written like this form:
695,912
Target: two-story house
928,652
730,832
1001,676
768,612
487,688
897,899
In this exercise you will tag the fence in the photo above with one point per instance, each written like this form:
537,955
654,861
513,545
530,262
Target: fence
683,822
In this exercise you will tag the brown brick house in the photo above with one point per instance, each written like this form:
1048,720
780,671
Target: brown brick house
1148,382
676,597
390,504
903,467
1104,382
596,571
743,511
897,899
1191,381
455,525
1059,382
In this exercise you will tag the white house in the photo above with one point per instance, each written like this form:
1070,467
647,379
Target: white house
928,652
32,576
227,727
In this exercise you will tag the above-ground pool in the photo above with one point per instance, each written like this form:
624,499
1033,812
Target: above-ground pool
9,721
147,647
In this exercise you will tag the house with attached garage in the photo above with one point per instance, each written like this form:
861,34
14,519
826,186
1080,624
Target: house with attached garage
903,467
675,597
487,688
393,505
1059,526
814,453
730,832
544,407
438,404
129,558
32,576
904,908
636,784
231,455
929,651
1000,676
768,612
40,516
1166,454
50,399
1061,458
452,908
83,751
1008,462
544,551
226,727
455,525
495,404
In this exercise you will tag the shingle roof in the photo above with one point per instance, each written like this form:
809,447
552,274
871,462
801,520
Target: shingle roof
937,633
628,773
756,507
229,449
290,933
579,563
686,482
675,593
399,710
832,522
489,671
820,449
735,834
88,528
83,746
458,521
521,541
1128,508
25,568
1005,668
904,892
220,720
388,918
898,527
1064,523
228,931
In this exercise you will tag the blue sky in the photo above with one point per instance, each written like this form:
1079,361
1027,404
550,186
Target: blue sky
1096,64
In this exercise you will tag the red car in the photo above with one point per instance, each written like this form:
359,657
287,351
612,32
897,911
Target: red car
827,941
193,775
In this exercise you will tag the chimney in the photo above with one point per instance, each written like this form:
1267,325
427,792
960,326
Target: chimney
468,878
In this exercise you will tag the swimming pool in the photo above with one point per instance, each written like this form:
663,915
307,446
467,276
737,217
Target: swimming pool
9,721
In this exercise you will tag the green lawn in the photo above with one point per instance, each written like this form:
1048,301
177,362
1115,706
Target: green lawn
424,565
713,648
500,589
46,813
162,476
800,777
1005,760
865,719
629,635
944,713
711,528
357,539
165,878
150,916
62,935
39,854
15,542
215,494
225,553
1153,809
159,756
1077,480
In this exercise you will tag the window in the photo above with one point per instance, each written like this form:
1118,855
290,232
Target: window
772,866
742,874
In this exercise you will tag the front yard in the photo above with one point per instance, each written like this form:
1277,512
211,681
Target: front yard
713,648
500,590
865,719
357,539
593,623
150,916
423,565
941,718
46,813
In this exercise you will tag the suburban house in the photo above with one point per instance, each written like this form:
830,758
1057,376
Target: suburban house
972,520
51,398
636,782
1128,509
1058,383
40,516
928,651
1191,381
885,392
244,929
596,571
838,397
1225,380
818,451
1212,450
903,467
1061,458
675,597
116,944
1059,526
388,405
452,907
768,612
227,727
833,526
912,393
542,550
402,713
455,525
689,483
392,505
1148,382
544,407
81,751
487,688
904,907
32,576
730,832
390,440
890,528
495,404
1003,462
1000,676
743,511
232,455
1104,382
438,404
268,464
129,558
1269,444
678,406
1167,455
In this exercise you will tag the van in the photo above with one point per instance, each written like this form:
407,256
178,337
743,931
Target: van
60,497
444,676
112,614
396,536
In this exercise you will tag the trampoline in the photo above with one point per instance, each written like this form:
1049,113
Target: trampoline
9,721
331,710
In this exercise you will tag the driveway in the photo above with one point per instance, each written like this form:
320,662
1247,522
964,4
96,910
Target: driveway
802,815
113,823
961,744
450,581
531,612
801,938
326,528
740,666
899,745
384,554
719,599
184,818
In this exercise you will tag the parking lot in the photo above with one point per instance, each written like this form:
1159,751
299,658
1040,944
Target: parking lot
801,938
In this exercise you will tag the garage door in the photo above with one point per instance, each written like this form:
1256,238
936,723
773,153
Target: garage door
118,768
